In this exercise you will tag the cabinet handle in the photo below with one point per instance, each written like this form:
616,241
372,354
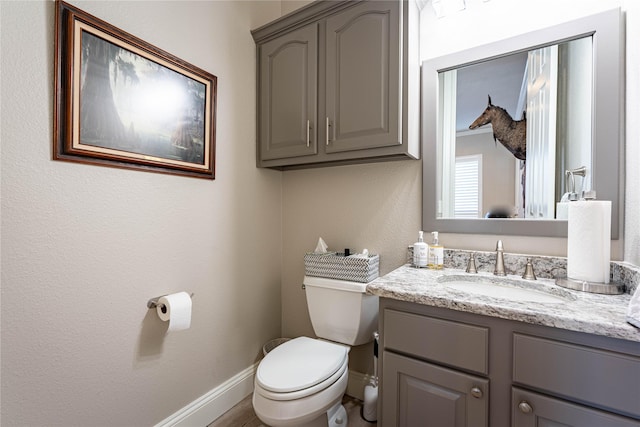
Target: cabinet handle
308,125
476,392
326,133
525,408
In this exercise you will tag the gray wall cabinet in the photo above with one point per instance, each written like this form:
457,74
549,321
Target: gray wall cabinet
447,368
338,82
289,104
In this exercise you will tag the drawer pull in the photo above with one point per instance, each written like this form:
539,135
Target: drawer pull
476,392
525,408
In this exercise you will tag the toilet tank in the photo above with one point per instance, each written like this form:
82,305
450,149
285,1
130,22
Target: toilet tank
341,311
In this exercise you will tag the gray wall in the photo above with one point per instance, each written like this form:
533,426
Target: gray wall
85,247
375,206
498,169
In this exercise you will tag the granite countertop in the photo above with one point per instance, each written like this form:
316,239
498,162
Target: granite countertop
578,311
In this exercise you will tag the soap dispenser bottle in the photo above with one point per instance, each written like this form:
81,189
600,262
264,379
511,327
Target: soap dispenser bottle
420,252
436,253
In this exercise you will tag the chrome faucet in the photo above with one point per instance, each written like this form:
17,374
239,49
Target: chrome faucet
499,270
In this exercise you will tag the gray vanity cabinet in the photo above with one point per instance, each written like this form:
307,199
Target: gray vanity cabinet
335,85
431,395
437,367
419,393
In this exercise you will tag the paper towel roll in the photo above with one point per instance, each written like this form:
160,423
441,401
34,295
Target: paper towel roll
589,240
176,308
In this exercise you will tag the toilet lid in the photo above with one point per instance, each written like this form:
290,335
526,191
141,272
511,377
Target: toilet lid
300,363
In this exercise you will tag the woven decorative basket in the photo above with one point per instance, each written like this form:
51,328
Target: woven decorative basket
334,265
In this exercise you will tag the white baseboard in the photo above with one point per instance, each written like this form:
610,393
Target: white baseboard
216,402
356,384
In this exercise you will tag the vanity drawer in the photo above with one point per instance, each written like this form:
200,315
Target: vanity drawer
459,345
533,409
589,375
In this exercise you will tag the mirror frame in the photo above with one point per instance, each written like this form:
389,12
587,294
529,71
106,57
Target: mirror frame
607,124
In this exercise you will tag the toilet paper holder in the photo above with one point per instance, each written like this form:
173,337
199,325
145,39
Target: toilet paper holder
153,302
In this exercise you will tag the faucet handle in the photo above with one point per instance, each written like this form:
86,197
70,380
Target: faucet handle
471,265
529,274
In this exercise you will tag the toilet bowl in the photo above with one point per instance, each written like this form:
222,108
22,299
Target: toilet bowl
302,381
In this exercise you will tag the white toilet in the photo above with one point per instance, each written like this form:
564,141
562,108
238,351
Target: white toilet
302,382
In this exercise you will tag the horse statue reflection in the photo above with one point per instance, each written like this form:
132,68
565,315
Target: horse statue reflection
510,133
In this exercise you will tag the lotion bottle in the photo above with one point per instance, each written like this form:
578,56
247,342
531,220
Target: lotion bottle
420,252
436,253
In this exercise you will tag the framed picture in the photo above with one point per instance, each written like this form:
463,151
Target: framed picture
122,102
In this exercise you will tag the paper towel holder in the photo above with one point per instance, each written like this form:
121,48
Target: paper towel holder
153,302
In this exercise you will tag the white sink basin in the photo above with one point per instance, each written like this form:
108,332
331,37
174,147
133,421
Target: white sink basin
502,290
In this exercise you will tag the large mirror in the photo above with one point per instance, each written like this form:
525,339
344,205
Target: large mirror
513,130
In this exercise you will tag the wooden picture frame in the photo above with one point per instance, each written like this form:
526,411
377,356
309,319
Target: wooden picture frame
121,102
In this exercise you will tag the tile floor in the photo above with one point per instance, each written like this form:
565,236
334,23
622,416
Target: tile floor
242,415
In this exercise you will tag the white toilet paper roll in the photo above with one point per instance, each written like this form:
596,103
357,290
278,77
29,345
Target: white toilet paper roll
589,241
176,308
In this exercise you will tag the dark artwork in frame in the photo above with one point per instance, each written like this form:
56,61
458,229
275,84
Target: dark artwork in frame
122,102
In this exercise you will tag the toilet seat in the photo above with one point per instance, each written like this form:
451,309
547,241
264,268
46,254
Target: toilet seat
305,392
295,412
299,368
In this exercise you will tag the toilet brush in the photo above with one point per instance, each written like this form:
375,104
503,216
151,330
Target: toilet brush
370,406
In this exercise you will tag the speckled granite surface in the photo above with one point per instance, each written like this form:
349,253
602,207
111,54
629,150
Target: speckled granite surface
544,266
577,311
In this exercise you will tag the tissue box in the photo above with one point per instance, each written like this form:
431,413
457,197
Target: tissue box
334,265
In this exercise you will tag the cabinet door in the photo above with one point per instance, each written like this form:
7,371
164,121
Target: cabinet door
535,410
288,95
417,393
363,77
